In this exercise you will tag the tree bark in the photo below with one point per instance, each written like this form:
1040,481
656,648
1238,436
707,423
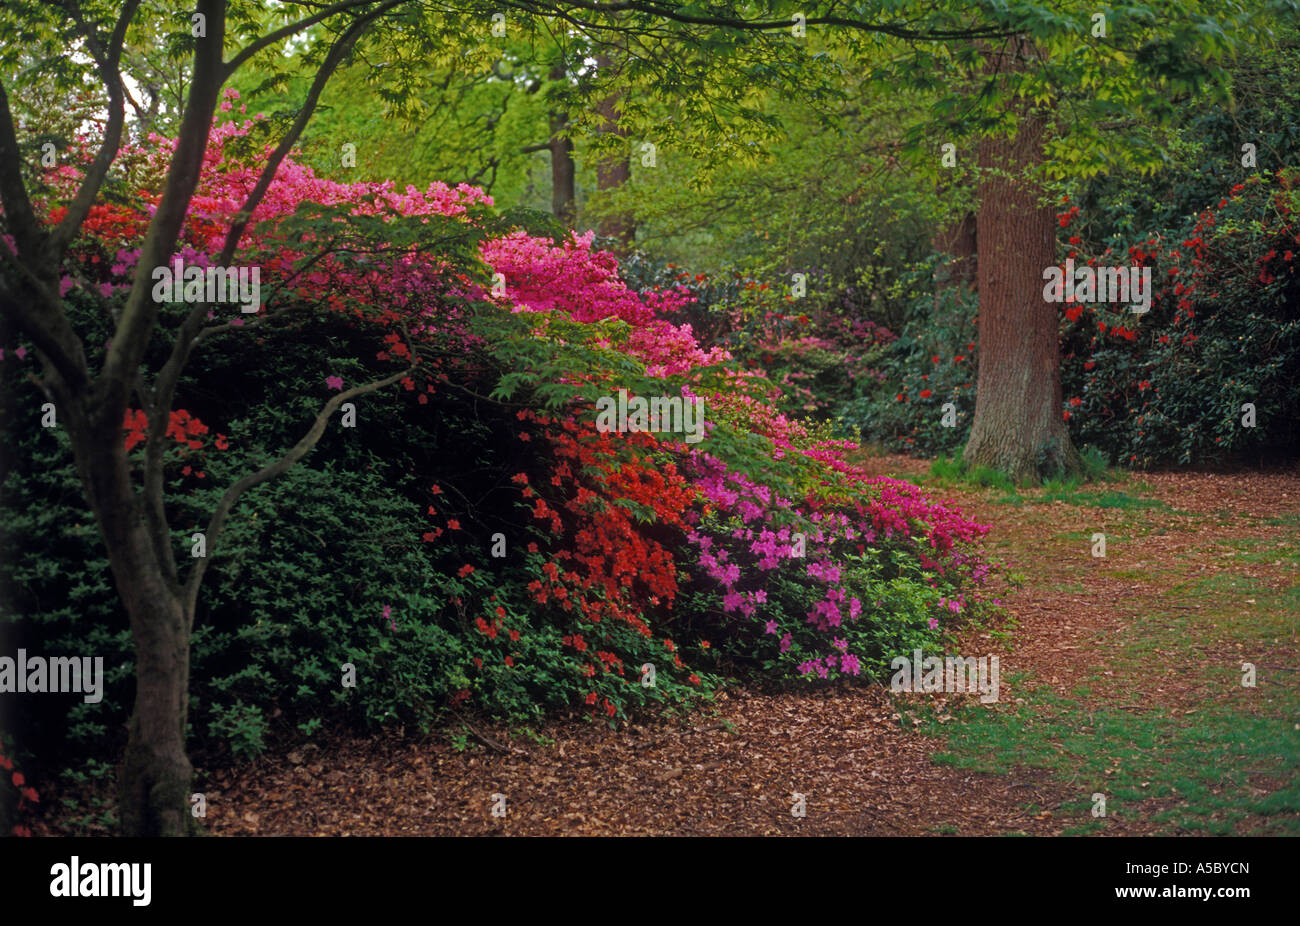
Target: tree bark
1018,427
155,776
614,173
563,172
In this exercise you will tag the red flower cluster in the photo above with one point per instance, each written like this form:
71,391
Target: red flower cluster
26,793
182,427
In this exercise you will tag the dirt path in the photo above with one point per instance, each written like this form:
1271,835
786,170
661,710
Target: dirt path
858,755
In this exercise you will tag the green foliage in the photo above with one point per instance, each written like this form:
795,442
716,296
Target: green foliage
933,362
1224,333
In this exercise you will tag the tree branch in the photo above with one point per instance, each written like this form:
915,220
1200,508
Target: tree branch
38,313
268,472
13,192
107,62
292,29
140,312
187,337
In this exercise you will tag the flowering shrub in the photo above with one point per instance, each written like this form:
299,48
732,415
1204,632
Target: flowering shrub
1168,386
857,584
487,547
933,361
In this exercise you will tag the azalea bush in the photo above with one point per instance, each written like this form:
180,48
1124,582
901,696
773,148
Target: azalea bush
1163,387
840,592
475,543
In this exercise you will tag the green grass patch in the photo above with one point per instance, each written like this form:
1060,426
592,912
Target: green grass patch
1109,499
1205,755
1207,764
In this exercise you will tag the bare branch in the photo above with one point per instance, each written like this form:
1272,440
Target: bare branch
38,313
13,192
188,336
270,471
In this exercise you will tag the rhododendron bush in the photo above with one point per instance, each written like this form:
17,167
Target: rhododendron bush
475,542
1223,331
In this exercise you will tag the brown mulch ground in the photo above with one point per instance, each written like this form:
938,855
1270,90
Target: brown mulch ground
859,773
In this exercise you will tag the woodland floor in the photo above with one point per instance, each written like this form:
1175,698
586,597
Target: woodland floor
1119,675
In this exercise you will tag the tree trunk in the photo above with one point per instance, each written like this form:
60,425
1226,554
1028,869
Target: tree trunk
958,241
1018,427
155,777
613,174
563,192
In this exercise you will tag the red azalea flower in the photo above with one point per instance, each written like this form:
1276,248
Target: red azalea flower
926,393
465,570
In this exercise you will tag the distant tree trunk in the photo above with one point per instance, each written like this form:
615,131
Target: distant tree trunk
614,173
1018,427
957,240
563,192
